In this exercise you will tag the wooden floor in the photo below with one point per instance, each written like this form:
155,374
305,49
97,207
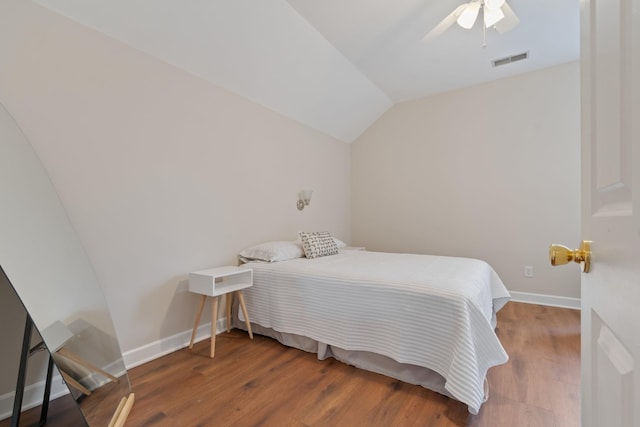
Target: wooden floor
62,412
263,383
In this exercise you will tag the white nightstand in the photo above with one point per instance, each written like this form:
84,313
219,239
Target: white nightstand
216,282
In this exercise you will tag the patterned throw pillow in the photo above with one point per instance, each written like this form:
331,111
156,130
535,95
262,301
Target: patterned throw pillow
318,244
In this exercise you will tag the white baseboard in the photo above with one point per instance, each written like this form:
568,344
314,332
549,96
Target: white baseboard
164,346
541,299
32,396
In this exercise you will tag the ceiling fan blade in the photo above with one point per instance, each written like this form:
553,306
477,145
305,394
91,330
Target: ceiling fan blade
492,16
469,14
509,22
444,25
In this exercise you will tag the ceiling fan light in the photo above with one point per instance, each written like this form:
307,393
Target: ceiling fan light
468,16
492,16
493,4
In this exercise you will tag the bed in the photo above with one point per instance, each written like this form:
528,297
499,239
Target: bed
426,320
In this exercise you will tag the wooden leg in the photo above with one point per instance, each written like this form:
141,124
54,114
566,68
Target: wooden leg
122,411
229,302
244,312
214,320
203,298
80,361
73,383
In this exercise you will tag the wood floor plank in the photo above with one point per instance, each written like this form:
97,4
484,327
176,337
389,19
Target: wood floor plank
263,383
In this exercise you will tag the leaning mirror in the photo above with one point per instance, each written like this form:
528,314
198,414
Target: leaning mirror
46,278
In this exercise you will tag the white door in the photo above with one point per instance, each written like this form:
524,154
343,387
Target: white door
610,58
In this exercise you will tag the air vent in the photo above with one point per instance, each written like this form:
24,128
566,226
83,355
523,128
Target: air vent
510,59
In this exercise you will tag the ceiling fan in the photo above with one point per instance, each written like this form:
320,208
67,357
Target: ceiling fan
495,13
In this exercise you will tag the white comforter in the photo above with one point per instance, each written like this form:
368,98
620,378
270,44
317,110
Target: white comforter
430,311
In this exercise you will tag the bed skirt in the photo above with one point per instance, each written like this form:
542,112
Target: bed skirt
368,361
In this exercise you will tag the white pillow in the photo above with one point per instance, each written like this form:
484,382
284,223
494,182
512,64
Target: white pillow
272,251
318,244
340,243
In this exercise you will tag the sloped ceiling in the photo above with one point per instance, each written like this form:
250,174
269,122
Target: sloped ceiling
334,65
384,40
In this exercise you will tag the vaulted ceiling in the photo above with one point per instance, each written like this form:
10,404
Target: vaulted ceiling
334,65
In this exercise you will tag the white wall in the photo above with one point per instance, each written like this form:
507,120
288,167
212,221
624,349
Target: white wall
490,172
262,50
161,172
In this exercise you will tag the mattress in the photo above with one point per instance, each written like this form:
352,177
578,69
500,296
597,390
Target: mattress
431,312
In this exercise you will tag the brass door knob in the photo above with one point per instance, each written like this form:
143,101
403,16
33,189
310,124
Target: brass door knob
560,255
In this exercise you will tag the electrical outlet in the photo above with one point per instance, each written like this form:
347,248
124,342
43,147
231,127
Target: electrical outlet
528,271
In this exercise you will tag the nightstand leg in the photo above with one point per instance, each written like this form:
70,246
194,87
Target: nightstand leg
229,302
80,361
203,298
214,321
244,311
73,383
